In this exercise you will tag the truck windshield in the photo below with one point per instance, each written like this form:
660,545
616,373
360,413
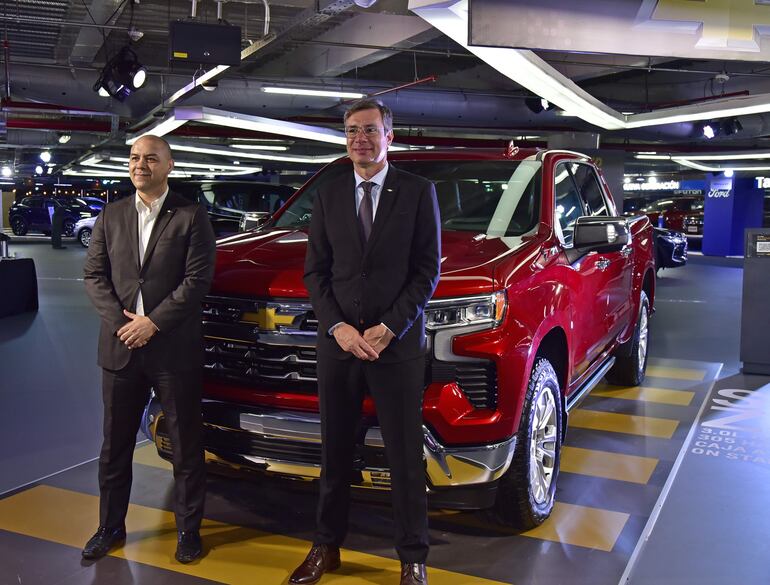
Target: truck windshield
494,197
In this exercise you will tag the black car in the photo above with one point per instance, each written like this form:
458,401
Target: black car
33,214
670,248
227,202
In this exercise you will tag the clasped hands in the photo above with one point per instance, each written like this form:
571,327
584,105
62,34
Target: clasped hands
367,346
138,331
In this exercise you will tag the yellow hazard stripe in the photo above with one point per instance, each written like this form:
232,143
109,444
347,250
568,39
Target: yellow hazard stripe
643,394
646,426
607,465
676,373
233,554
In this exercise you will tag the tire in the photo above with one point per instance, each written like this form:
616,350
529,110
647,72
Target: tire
84,237
68,227
526,493
19,226
630,366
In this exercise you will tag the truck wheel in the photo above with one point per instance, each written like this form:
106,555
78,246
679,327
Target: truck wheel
526,492
630,366
19,226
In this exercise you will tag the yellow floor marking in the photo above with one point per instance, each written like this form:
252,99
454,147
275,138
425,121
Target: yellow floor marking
233,554
676,373
608,465
646,426
569,524
659,395
148,455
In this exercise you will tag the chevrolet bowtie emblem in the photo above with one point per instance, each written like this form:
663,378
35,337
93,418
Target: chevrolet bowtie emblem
266,319
727,24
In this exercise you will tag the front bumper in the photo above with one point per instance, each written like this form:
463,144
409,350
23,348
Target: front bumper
288,444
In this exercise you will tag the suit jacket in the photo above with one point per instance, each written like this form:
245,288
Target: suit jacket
176,274
388,279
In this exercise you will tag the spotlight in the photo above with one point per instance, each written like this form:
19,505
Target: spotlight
729,173
6,171
709,131
64,138
38,170
45,156
121,76
537,104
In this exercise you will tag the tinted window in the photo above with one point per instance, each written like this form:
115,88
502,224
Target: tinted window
245,197
499,198
567,202
34,202
590,189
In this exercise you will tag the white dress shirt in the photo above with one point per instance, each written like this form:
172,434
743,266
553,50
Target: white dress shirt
147,217
378,180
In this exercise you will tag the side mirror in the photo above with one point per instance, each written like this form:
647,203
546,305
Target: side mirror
600,234
253,220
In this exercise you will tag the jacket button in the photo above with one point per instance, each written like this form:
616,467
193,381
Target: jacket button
364,275
360,321
141,281
356,302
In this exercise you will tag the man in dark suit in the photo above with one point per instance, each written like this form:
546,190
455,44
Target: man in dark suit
150,262
372,264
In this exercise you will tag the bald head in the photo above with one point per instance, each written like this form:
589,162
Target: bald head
149,166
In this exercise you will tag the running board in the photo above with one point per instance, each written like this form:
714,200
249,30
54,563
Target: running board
578,396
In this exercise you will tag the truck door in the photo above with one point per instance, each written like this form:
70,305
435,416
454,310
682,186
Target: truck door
582,277
615,268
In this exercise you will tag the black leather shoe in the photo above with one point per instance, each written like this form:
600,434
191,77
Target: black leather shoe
104,540
321,558
413,574
188,546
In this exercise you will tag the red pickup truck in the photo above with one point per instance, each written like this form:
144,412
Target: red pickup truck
544,291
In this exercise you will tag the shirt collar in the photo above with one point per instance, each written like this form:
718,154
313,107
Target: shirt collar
378,179
154,206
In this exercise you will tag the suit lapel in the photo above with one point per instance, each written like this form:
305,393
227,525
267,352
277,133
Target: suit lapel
164,217
384,206
131,218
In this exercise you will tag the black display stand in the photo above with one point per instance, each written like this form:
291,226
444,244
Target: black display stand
755,312
18,286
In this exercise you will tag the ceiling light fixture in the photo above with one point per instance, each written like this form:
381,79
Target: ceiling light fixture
710,131
45,156
64,138
39,170
259,147
530,71
537,104
314,92
6,171
122,75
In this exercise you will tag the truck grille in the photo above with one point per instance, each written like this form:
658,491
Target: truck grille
261,343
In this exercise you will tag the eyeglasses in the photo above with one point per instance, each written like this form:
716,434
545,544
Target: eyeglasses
352,131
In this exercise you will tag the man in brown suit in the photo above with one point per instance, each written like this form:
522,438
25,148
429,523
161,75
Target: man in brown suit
150,262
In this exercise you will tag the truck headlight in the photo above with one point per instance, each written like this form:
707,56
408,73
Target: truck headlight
463,311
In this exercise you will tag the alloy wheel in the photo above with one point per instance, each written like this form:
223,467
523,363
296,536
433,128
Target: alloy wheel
542,446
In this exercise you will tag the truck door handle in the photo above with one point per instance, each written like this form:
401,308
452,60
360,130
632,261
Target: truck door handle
602,264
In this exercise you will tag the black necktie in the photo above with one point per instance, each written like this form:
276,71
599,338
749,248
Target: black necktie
365,216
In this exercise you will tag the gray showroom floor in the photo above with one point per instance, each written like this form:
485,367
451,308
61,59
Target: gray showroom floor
696,517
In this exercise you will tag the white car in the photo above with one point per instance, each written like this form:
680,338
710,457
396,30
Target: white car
83,229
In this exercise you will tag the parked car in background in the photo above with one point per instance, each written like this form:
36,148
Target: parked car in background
33,214
94,203
83,230
543,292
228,201
670,248
681,214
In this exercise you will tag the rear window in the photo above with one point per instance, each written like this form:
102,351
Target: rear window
498,198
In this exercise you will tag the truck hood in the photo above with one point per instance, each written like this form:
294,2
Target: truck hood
270,263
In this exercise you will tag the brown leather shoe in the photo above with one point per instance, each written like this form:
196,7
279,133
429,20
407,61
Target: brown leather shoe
413,574
321,558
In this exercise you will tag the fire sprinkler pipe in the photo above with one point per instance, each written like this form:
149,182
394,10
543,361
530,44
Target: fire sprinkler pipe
429,79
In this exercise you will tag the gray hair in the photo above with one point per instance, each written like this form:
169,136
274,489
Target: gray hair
372,104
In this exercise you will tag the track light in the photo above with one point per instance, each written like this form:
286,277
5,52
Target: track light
537,104
38,170
709,131
45,156
121,76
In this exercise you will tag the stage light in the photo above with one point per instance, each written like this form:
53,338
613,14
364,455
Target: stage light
709,131
121,76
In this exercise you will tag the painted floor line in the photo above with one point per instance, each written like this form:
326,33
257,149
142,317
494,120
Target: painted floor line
607,465
674,373
646,394
650,526
234,555
645,426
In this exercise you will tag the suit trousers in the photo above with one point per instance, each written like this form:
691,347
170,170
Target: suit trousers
125,393
397,389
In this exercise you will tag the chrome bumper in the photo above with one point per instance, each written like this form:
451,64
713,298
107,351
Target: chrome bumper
445,466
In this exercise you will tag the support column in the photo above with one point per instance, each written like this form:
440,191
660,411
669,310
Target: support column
731,206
